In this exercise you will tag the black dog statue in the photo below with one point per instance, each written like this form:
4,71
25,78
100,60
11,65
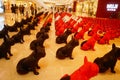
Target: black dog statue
34,44
39,41
108,60
18,38
47,27
12,28
41,32
63,38
5,47
4,32
44,30
66,51
26,29
30,63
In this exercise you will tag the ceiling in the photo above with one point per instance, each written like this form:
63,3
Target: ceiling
56,2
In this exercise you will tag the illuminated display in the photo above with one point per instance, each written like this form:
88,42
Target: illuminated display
112,7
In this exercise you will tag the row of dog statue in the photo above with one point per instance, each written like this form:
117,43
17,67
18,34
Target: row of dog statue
5,47
30,63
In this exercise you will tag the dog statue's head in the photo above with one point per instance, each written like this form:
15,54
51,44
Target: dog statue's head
43,36
68,31
116,50
74,42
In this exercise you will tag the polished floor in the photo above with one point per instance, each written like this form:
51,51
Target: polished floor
51,67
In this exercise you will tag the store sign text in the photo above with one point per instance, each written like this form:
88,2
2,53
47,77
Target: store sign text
112,7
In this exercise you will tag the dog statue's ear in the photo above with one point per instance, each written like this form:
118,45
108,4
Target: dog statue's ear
113,46
85,60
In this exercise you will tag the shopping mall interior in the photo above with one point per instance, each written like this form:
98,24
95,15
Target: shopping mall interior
59,39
